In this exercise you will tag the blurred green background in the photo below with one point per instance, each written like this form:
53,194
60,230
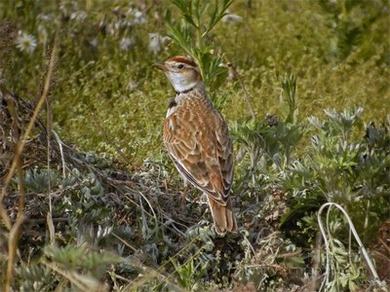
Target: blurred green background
107,98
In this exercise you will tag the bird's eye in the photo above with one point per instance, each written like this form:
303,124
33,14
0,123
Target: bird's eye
180,66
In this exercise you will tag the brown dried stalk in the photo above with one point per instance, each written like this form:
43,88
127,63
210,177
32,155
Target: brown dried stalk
16,167
22,142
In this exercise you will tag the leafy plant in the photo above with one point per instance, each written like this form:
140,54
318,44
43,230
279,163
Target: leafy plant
189,274
38,180
192,35
270,143
335,150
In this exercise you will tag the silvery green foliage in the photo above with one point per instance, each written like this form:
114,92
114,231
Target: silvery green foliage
36,278
340,167
38,180
338,164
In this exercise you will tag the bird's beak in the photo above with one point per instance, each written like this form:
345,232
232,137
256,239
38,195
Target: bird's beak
160,66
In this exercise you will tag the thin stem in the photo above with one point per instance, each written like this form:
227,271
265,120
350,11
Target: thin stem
22,142
15,230
356,236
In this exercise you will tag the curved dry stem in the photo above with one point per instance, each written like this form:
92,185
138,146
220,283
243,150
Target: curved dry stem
327,248
22,142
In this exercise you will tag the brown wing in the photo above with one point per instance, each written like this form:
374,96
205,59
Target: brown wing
197,140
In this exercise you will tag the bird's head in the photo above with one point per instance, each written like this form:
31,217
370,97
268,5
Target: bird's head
182,72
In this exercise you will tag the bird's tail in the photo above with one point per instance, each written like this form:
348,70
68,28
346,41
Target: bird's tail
224,220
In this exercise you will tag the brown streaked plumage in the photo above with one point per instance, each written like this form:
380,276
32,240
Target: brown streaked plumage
197,139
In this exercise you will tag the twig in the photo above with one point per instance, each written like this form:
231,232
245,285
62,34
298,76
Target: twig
15,230
151,207
49,216
61,153
16,167
124,242
247,97
22,142
261,266
316,264
384,244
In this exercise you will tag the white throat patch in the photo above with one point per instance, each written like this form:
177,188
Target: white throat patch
181,83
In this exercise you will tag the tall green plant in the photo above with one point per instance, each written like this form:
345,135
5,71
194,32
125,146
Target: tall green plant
272,138
192,35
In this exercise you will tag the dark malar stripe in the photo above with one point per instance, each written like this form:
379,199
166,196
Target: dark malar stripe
172,103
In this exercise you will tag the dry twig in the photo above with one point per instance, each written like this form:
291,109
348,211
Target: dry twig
16,167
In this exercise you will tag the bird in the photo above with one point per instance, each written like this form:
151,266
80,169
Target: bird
196,137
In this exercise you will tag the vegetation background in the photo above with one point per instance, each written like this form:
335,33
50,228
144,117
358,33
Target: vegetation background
305,88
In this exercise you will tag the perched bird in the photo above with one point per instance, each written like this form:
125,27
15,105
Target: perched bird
197,139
